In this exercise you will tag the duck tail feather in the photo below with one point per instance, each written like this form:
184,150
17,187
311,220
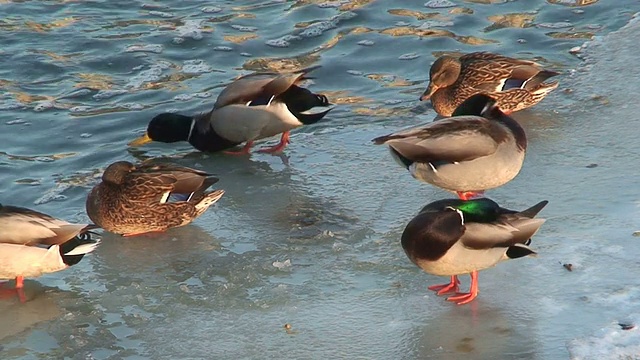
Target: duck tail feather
534,210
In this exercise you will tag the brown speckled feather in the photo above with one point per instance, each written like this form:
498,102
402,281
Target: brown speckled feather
515,84
137,202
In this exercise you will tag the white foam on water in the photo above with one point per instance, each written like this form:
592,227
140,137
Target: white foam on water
438,4
196,66
245,28
183,97
211,9
107,94
161,14
191,29
16,122
333,4
54,194
408,56
153,73
313,30
150,48
44,105
80,109
556,25
282,264
435,23
132,106
11,105
318,28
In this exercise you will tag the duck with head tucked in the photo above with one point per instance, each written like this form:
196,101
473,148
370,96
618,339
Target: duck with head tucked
251,108
33,244
452,237
135,199
477,149
515,84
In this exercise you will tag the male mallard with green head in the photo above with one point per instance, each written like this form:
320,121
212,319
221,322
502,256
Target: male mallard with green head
452,237
251,108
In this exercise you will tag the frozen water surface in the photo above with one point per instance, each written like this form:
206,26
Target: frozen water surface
301,258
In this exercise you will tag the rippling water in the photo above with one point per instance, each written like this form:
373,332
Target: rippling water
311,239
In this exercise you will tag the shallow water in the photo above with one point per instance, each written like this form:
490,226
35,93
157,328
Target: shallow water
311,239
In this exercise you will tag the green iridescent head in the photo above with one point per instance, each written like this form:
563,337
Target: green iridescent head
479,210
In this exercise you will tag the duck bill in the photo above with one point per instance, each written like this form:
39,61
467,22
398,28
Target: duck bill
144,139
426,95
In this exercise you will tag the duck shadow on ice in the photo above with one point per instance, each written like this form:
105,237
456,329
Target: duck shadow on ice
175,255
476,331
43,303
269,194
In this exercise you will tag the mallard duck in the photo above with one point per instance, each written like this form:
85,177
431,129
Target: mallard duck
33,243
515,84
453,237
479,148
134,199
251,108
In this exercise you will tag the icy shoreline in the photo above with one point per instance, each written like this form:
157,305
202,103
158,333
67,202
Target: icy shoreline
606,74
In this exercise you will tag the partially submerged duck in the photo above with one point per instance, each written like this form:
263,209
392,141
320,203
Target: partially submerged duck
251,108
452,237
135,199
477,149
515,84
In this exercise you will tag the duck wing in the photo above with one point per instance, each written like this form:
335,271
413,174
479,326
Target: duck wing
259,87
244,89
174,178
27,227
495,73
510,229
456,139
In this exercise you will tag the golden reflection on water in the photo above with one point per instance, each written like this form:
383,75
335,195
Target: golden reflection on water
56,24
239,39
26,98
355,4
51,157
461,10
419,15
56,57
94,81
515,20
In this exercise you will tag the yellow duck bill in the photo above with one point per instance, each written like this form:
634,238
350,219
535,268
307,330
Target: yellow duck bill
144,139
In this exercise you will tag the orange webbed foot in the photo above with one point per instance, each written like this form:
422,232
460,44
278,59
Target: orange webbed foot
284,141
452,286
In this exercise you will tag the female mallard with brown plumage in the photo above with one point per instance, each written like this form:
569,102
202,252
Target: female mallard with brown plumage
251,108
477,149
452,237
515,84
33,244
134,199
